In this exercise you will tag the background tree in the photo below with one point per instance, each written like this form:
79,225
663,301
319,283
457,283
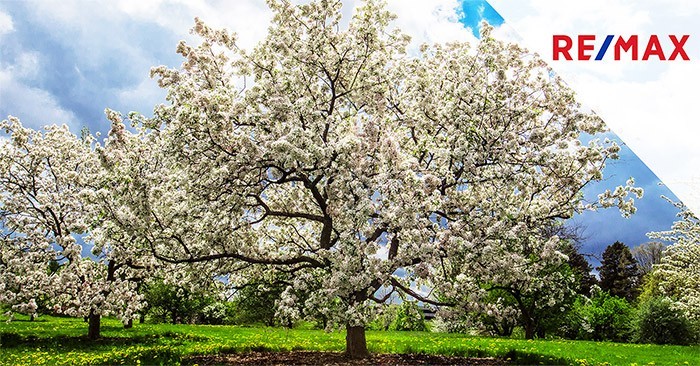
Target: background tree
254,303
659,321
530,279
405,316
500,316
46,181
647,255
170,303
573,236
408,317
618,272
347,163
531,282
678,274
581,268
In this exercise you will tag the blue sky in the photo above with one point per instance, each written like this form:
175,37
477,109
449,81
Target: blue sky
65,62
654,213
475,11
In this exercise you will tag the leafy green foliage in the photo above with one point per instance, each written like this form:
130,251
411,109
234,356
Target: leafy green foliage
658,322
651,287
406,316
175,304
603,317
383,319
255,305
409,317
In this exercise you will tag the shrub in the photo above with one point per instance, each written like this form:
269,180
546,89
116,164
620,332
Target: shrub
603,317
214,313
658,322
384,319
408,317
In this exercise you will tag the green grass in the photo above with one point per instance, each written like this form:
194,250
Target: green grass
61,341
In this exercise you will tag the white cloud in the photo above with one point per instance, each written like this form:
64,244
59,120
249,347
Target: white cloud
652,106
249,19
26,66
431,21
658,121
35,107
95,31
141,98
6,25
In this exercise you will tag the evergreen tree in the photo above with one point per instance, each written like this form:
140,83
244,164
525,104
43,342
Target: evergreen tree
619,274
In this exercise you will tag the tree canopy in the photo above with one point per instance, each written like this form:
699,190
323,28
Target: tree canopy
47,179
330,155
679,270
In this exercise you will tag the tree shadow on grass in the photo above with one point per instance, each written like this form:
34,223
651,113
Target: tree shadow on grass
37,320
70,343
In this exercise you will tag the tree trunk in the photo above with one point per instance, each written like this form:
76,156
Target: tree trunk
142,318
529,329
31,317
129,324
355,342
93,325
529,322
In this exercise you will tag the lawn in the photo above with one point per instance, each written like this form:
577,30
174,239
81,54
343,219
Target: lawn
60,341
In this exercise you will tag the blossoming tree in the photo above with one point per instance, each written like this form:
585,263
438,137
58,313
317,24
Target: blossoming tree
46,181
332,156
679,270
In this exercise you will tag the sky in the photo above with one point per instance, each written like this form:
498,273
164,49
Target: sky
66,61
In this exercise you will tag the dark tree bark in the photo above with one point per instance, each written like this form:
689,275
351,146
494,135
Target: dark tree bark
355,342
93,325
129,324
540,332
529,330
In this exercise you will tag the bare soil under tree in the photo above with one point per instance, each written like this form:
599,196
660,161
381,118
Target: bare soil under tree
336,359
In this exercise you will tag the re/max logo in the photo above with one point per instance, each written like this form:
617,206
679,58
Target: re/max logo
562,45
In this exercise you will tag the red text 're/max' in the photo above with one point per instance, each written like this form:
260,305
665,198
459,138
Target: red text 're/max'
653,49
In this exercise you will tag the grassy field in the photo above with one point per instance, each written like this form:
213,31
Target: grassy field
60,341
